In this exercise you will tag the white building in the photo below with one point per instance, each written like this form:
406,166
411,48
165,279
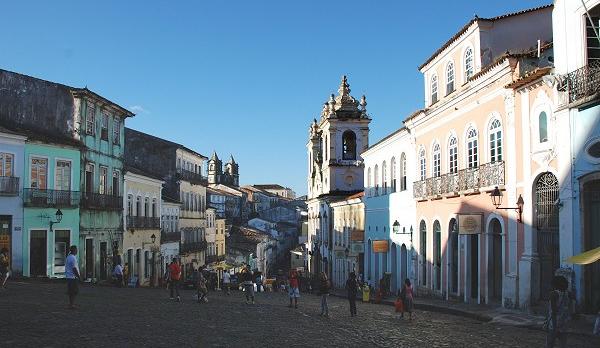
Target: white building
347,238
335,168
390,173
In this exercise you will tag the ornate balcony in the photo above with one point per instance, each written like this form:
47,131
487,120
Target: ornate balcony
581,83
191,247
191,176
33,197
9,186
143,222
215,258
101,201
170,237
468,180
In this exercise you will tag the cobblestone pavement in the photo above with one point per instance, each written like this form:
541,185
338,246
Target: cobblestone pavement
35,314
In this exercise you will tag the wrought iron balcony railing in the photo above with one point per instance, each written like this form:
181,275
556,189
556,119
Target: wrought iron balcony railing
101,201
9,185
191,176
581,83
468,179
170,236
143,222
33,197
190,247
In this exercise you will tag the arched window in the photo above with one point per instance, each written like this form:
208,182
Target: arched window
453,156
449,78
437,161
468,64
129,205
472,154
434,89
393,169
376,179
146,206
543,127
349,145
138,206
326,149
403,172
384,178
495,141
369,181
422,165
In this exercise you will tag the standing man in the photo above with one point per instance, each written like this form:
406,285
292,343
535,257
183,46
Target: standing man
72,275
4,267
294,292
248,283
226,281
175,275
118,274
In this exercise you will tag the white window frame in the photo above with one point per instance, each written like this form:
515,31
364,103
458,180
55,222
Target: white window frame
495,141
436,168
450,78
472,141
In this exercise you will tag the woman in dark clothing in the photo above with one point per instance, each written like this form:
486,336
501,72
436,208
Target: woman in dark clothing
352,288
324,292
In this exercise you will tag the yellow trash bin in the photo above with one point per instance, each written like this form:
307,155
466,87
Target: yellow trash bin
366,293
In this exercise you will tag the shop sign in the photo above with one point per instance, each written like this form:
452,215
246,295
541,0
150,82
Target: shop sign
357,248
380,246
357,235
469,223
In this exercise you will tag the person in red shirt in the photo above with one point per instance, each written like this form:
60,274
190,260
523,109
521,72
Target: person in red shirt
294,291
175,275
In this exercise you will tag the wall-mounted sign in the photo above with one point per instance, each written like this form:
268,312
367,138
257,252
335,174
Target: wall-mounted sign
357,235
357,248
469,223
380,246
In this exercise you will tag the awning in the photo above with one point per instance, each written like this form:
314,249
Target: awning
586,257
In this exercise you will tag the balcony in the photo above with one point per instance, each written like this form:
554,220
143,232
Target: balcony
143,222
101,201
466,181
191,247
582,84
166,237
215,258
192,177
33,197
9,186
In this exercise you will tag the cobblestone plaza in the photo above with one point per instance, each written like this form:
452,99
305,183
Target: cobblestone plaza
36,314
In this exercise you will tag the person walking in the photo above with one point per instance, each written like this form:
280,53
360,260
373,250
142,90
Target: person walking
72,275
324,292
226,282
201,287
248,284
407,298
294,290
4,267
352,289
559,312
175,275
118,274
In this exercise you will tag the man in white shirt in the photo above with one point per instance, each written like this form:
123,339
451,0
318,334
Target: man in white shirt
72,275
226,281
118,274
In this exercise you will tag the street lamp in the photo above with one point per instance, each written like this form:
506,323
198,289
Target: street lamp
396,226
396,229
58,216
152,238
496,196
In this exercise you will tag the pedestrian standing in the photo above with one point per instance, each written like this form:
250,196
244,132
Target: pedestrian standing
407,297
126,274
72,275
167,275
226,281
294,290
248,284
201,288
4,267
559,312
118,274
324,292
352,289
175,275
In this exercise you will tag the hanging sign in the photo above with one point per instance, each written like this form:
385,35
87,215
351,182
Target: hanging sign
469,223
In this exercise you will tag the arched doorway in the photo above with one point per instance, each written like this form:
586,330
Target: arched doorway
453,255
395,274
591,240
495,260
423,239
403,264
437,255
369,273
545,214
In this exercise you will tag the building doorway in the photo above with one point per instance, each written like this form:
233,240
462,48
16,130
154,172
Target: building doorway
495,260
6,234
62,238
474,265
423,239
591,240
103,260
89,258
403,264
546,222
38,254
437,256
453,234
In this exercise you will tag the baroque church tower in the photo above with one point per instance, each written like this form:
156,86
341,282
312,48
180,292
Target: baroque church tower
215,169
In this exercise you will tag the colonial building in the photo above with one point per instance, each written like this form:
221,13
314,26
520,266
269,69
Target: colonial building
277,190
211,231
170,235
12,149
181,170
141,240
335,167
390,210
476,134
216,175
347,238
220,234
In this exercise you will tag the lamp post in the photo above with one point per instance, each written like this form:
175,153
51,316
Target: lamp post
58,216
496,196
396,229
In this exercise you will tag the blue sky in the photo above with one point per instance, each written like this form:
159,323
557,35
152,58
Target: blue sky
240,77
